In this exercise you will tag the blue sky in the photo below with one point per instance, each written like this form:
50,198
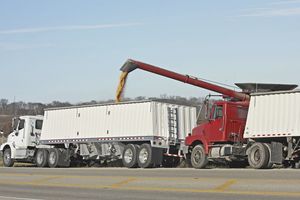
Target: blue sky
72,50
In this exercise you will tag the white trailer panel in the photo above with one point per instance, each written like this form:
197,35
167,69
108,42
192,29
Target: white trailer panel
275,114
131,119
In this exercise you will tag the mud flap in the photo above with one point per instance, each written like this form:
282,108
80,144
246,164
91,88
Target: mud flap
64,158
276,153
157,156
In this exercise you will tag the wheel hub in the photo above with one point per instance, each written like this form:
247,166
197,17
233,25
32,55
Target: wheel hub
197,157
40,157
128,155
143,156
257,155
52,157
7,157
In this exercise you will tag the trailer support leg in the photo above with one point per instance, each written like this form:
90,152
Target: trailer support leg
290,147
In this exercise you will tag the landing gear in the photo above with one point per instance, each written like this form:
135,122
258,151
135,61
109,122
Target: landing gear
198,157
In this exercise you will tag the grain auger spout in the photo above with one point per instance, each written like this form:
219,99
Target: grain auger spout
131,65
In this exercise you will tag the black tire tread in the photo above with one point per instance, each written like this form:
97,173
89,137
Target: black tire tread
202,164
133,163
11,161
265,156
148,163
55,164
45,161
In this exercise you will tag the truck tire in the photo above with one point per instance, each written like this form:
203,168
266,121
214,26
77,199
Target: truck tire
129,157
259,156
41,158
269,165
53,157
145,156
7,160
198,157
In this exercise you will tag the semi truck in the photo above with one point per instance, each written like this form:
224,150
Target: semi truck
259,126
139,134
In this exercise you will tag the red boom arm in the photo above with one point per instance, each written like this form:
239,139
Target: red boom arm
131,65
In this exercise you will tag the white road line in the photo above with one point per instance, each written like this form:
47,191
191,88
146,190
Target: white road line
17,198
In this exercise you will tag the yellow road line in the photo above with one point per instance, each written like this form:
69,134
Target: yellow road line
226,185
122,183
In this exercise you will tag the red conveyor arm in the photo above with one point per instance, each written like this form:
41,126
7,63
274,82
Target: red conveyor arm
131,65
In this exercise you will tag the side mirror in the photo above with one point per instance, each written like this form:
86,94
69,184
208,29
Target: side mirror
32,131
15,123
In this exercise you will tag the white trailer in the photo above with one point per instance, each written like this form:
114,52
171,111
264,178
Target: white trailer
273,129
140,133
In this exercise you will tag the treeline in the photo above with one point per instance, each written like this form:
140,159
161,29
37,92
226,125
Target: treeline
10,109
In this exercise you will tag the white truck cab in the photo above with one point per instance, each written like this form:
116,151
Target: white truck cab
21,143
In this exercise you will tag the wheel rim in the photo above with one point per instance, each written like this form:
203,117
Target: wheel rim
256,156
40,157
197,157
143,155
7,157
128,155
52,158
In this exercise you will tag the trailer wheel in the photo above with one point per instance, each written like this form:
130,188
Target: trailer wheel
259,155
53,157
7,160
198,157
269,165
297,165
41,158
145,156
129,157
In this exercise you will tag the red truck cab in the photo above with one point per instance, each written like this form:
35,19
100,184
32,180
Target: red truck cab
225,126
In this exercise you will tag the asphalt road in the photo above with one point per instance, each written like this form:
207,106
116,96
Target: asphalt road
120,183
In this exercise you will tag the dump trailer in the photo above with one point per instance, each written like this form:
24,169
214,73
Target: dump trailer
140,134
273,129
267,135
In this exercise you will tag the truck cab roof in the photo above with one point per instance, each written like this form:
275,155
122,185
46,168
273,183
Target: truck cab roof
40,117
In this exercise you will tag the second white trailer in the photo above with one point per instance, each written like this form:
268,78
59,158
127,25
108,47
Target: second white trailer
273,129
274,114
